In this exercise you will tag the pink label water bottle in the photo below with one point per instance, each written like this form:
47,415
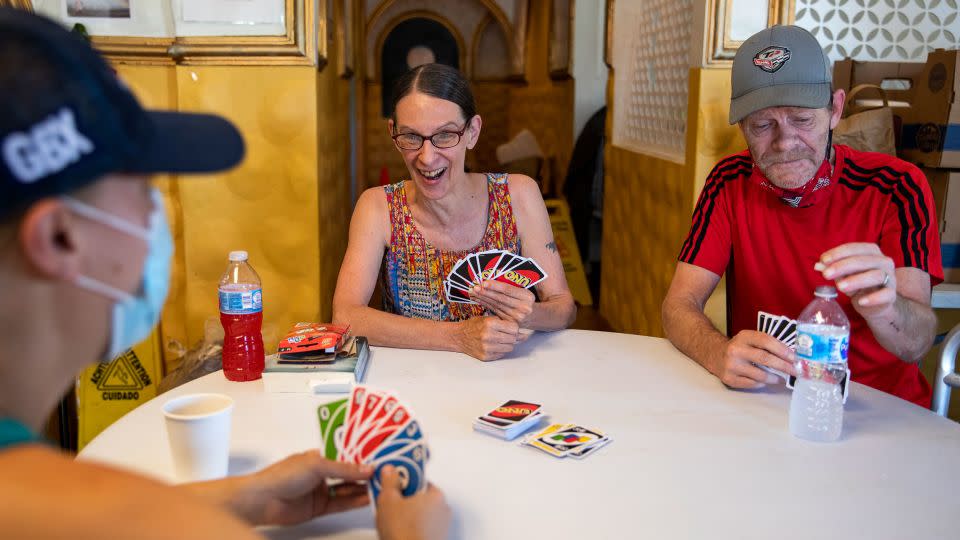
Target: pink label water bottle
241,314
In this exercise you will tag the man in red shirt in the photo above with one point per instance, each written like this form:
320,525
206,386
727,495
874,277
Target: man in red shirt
767,216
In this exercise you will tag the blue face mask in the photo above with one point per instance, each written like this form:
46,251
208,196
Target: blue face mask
134,316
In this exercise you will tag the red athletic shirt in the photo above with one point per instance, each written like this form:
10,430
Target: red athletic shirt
768,247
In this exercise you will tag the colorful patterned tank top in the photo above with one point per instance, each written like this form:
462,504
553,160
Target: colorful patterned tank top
413,270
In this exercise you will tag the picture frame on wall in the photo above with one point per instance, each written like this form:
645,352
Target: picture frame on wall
731,22
203,32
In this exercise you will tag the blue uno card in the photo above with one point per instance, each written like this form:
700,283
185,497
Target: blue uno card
409,463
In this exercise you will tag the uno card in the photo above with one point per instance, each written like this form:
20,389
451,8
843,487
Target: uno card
488,261
508,262
357,397
455,294
393,421
405,433
512,411
584,452
534,439
567,440
526,274
409,462
456,281
474,265
462,271
332,416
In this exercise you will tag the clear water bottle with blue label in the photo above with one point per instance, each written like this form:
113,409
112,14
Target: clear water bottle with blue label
823,338
241,314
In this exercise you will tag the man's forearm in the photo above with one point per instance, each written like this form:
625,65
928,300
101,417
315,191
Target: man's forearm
693,334
907,331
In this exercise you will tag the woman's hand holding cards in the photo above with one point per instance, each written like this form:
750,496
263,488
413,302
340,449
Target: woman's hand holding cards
735,366
488,338
508,302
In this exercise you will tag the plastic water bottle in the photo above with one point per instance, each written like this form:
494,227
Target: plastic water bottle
823,337
241,314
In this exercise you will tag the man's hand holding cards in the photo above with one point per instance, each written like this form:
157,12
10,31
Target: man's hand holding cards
375,428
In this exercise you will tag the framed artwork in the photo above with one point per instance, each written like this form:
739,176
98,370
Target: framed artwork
731,22
199,32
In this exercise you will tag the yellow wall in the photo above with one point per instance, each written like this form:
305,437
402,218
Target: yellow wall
288,203
647,207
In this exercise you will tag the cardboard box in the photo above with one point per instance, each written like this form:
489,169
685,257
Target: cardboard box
898,79
931,129
945,185
924,99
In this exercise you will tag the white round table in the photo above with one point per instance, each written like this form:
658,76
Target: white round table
690,458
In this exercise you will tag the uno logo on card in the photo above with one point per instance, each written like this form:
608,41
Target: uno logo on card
514,411
516,278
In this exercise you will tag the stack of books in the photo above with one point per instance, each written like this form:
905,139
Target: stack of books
317,358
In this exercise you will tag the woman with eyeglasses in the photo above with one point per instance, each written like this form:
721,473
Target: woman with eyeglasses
411,234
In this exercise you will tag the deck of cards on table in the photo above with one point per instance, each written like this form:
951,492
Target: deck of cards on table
495,265
375,428
510,419
562,440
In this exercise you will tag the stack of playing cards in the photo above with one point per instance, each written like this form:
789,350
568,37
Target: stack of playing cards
510,419
562,440
496,265
778,326
785,330
374,428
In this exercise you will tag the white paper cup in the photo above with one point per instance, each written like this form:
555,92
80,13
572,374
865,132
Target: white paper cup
198,427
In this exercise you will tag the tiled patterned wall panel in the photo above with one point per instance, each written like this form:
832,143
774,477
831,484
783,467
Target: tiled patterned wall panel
651,46
895,30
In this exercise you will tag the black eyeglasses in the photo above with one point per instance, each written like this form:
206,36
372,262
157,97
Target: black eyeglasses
441,139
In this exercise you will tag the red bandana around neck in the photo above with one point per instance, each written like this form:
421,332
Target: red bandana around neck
807,195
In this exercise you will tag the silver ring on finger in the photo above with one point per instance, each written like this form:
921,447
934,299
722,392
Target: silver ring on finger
886,279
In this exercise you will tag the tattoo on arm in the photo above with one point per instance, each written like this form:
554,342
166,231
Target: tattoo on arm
552,246
895,326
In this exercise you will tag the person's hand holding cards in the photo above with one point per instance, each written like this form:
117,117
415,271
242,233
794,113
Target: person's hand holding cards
737,364
496,265
509,302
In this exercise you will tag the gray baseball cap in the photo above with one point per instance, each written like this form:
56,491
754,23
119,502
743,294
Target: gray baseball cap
782,66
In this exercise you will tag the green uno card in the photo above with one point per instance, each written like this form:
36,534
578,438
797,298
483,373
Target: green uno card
332,416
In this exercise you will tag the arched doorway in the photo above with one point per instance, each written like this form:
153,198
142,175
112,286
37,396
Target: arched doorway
410,43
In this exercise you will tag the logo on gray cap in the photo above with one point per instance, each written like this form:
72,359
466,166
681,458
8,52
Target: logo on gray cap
772,58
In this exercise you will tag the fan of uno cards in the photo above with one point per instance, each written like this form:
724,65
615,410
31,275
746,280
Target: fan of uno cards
496,265
374,428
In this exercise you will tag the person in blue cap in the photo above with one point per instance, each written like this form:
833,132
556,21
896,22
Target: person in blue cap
84,264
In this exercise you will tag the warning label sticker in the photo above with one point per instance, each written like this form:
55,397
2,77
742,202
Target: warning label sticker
121,379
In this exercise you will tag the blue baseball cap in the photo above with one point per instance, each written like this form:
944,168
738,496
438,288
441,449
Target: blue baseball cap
66,119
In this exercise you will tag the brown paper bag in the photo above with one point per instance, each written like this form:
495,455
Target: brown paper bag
866,129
